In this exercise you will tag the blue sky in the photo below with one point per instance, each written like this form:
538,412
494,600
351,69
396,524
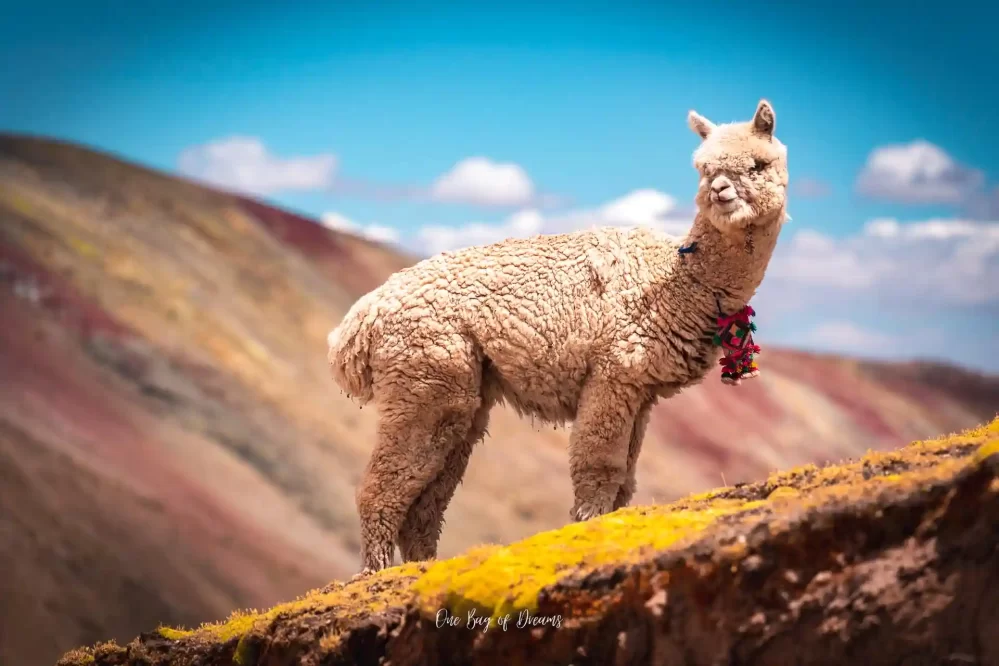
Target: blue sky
367,112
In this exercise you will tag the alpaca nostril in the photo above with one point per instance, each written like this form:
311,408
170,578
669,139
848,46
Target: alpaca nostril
719,184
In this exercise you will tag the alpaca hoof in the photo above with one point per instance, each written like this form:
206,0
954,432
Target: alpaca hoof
587,510
360,575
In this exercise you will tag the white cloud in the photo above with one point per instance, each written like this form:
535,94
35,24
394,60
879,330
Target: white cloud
338,222
243,164
883,227
917,172
938,261
381,233
479,180
840,335
644,207
812,258
435,238
375,232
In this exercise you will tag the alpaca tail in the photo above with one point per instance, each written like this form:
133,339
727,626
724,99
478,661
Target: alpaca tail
349,353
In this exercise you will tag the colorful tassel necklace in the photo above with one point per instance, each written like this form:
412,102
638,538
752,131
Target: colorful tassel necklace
734,335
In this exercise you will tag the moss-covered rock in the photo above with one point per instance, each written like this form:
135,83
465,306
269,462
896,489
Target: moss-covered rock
882,559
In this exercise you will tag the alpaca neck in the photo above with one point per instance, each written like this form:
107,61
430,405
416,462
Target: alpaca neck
730,265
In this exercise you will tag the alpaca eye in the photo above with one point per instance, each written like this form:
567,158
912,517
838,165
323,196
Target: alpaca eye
759,165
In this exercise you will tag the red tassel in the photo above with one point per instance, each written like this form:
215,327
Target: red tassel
740,350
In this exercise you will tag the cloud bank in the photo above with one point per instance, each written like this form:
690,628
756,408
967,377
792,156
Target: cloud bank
951,262
243,164
645,207
917,173
374,231
479,180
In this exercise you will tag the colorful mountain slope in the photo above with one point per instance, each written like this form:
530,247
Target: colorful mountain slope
171,445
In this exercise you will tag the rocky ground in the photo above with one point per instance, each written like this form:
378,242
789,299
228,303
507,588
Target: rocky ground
889,559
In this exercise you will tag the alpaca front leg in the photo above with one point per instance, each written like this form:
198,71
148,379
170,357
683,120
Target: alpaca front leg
627,490
598,447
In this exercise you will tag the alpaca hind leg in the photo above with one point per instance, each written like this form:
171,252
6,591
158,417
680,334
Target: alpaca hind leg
411,451
627,490
421,530
598,446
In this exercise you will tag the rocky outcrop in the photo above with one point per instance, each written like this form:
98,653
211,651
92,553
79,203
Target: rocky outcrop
892,558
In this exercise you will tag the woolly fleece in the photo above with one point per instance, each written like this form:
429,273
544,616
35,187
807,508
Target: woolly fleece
591,327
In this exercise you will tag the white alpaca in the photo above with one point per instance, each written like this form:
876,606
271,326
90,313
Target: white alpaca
593,327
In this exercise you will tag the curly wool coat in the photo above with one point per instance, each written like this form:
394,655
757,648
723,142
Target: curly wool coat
591,326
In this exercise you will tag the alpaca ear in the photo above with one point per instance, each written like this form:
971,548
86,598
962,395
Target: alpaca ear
764,119
701,125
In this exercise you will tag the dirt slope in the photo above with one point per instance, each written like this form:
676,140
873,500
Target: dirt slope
890,559
172,448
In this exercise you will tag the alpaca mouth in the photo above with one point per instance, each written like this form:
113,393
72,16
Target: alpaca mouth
725,199
727,206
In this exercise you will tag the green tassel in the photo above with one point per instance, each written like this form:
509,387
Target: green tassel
752,326
716,340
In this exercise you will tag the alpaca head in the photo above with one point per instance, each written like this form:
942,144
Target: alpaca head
743,169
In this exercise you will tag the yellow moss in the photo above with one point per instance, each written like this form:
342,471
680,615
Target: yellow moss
385,589
330,641
882,457
970,436
86,656
506,579
499,580
235,626
173,634
707,495
990,448
78,657
242,657
783,492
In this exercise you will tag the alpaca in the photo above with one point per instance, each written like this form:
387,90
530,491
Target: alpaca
591,327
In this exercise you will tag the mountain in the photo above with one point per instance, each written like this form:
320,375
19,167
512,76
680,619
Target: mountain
172,447
890,559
